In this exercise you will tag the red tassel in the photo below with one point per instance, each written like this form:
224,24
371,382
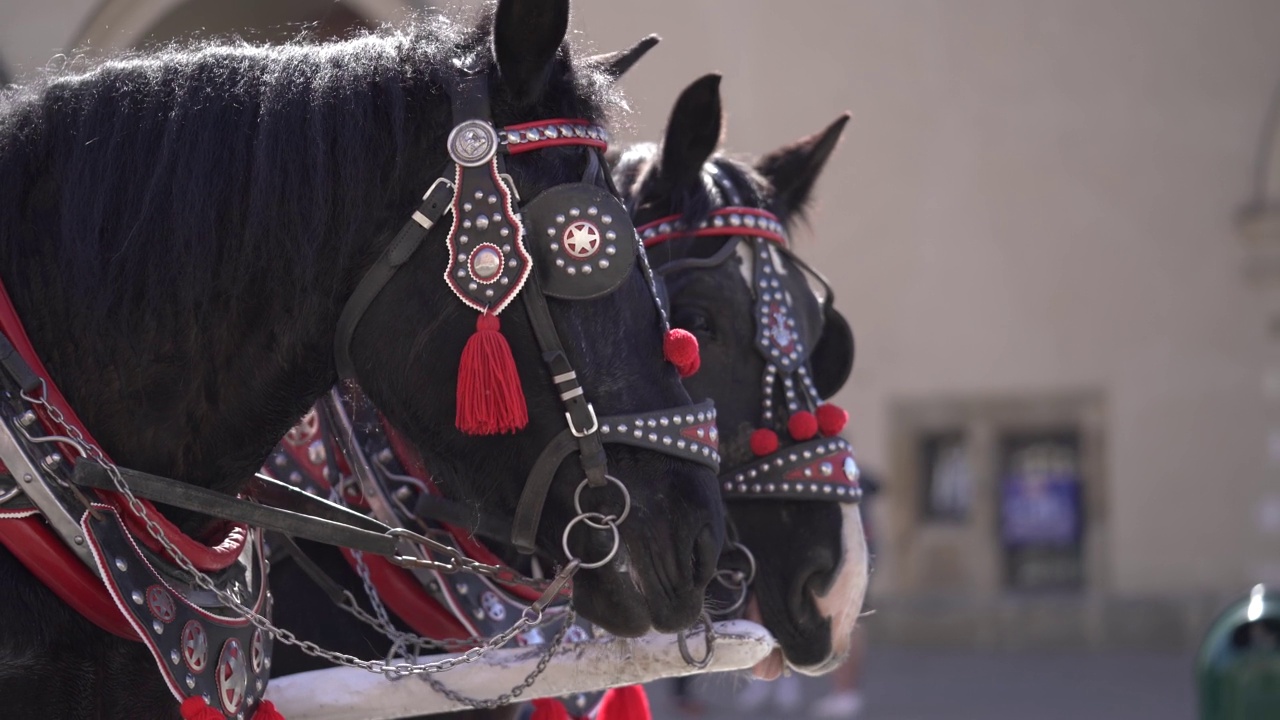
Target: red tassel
802,426
624,703
831,419
764,442
267,711
195,708
549,709
490,398
680,348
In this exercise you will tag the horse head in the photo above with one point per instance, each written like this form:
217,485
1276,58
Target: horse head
773,347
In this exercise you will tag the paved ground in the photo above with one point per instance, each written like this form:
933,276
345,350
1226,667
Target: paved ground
904,684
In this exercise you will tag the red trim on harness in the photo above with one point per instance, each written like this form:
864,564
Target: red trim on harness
471,547
679,231
36,546
42,551
547,142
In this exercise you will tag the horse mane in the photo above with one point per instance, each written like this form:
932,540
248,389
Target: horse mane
162,180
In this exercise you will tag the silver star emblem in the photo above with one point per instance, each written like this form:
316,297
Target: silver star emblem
582,239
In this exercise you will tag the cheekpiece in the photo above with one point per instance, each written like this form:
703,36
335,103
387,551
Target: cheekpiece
223,659
777,335
489,263
689,433
822,469
583,240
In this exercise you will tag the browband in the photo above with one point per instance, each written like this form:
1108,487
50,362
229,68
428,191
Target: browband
748,221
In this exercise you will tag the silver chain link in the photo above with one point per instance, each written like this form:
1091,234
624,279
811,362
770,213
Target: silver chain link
529,618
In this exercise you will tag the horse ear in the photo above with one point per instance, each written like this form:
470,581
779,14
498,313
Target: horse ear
616,64
693,132
527,34
793,169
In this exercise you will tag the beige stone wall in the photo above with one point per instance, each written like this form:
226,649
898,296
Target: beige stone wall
1033,197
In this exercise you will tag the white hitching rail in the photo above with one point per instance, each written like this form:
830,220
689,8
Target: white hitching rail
350,694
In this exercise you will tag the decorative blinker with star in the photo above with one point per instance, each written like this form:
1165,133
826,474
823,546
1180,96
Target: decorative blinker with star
583,240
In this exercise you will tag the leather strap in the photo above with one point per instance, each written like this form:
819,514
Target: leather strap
190,497
524,527
434,203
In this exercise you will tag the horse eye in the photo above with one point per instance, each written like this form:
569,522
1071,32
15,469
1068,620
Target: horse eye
695,322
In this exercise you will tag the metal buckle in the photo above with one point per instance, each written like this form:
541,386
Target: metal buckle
595,423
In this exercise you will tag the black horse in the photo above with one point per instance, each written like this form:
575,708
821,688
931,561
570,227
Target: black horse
811,555
181,232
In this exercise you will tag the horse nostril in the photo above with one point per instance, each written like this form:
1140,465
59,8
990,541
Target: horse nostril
706,551
812,581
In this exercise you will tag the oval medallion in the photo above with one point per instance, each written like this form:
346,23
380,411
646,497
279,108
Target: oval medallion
195,646
233,677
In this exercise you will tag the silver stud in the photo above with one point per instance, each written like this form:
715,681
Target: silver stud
482,223
651,422
742,487
571,270
504,231
664,421
493,199
533,134
826,469
559,262
666,439
586,269
191,682
637,433
560,219
121,564
682,444
751,473
497,217
488,292
137,598
479,194
174,657
574,212
728,486
604,428
512,263
653,437
610,250
466,207
467,223
157,626
461,588
593,211
554,246
607,220
472,286
551,132
463,239
755,488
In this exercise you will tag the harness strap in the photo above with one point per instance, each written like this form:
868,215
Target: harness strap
524,527
189,497
434,203
330,587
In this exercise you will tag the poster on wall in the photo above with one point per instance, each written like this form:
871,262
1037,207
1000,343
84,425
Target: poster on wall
1041,511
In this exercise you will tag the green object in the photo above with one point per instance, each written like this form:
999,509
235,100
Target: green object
1239,664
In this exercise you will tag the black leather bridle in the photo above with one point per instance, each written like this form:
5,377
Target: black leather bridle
586,433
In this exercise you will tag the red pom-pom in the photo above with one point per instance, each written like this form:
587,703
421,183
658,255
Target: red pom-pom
195,708
490,398
764,442
624,703
802,426
267,711
680,348
831,419
549,709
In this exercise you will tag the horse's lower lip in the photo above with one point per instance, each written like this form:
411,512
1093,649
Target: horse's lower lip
770,668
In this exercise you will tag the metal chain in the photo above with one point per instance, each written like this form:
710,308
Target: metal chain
530,617
543,661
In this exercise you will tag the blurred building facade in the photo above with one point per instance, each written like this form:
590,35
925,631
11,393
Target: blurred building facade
1055,228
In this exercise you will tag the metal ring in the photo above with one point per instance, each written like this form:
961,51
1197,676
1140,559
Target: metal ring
626,506
617,540
735,546
683,642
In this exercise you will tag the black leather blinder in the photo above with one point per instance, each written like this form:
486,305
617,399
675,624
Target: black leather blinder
582,239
